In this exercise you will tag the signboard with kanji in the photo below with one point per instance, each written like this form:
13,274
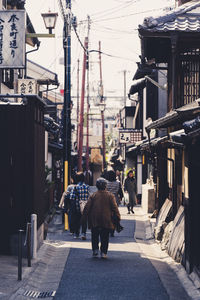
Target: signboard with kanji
27,86
12,38
130,136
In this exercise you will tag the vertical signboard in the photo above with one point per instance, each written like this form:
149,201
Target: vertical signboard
12,39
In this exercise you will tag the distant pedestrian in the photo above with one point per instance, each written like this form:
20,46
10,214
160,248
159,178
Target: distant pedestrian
79,197
114,186
67,191
118,175
65,203
99,210
130,188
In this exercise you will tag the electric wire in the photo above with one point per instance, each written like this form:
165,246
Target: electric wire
112,30
129,15
116,9
97,51
42,4
51,64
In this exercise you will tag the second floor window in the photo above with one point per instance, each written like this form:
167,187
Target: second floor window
190,76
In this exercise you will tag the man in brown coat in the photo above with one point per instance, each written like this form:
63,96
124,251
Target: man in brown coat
99,210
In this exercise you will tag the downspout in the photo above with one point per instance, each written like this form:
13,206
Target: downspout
25,71
174,204
174,50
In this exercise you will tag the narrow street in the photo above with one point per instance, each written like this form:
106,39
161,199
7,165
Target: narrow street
126,274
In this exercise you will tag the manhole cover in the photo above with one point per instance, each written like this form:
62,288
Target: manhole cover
34,294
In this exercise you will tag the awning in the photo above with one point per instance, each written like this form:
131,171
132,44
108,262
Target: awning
138,85
41,74
153,142
177,116
142,70
55,147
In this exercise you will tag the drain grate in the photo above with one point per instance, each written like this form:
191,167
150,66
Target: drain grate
34,294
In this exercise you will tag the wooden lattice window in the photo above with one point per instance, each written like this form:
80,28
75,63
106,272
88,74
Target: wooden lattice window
190,76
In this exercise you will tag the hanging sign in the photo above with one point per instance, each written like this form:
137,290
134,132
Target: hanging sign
128,136
12,39
27,86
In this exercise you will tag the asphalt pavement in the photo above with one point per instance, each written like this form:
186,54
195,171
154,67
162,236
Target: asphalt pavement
136,268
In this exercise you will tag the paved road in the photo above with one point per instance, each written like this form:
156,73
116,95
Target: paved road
126,274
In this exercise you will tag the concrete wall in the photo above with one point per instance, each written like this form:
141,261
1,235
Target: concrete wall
148,198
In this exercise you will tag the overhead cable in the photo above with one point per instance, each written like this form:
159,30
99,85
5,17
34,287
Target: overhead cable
116,9
125,16
97,51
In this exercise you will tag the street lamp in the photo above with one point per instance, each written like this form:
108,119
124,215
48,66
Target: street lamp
102,106
50,20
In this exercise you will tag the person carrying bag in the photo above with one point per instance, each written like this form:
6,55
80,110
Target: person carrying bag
130,188
99,210
79,198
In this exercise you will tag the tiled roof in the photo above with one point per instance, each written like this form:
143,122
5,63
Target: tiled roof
179,115
184,18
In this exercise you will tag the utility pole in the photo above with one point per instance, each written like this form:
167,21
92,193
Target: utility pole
102,110
67,97
80,149
124,88
88,106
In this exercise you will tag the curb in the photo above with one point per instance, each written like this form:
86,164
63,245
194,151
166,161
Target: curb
148,240
46,273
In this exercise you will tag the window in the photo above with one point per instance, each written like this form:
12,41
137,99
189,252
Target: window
8,77
190,79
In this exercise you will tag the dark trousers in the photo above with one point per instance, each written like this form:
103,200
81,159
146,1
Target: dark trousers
131,203
103,233
76,223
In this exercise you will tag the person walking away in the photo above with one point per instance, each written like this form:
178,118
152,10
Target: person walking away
98,211
65,203
114,186
118,175
130,188
79,197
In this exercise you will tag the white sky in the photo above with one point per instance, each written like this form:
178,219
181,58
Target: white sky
113,22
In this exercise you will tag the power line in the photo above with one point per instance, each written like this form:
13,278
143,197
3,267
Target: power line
116,9
97,51
112,30
129,15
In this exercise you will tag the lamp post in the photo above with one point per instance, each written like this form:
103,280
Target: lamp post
102,109
50,20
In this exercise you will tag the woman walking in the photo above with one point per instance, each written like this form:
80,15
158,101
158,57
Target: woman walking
130,188
99,210
79,197
114,186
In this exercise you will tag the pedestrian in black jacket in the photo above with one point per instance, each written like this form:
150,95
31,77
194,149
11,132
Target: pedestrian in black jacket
130,188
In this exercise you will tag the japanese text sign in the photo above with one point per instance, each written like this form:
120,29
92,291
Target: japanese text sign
27,86
130,136
12,38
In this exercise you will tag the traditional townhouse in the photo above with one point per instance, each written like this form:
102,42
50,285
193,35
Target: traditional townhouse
170,43
22,134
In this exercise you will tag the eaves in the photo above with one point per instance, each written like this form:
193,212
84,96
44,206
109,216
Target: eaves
177,116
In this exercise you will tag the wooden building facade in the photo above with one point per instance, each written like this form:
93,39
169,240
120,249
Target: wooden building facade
22,172
173,40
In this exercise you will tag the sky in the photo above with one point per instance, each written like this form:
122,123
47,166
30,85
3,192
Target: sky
113,22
